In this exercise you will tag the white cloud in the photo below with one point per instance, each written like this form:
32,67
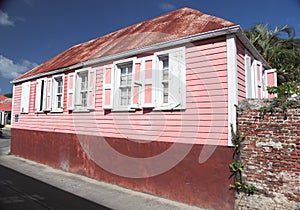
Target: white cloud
11,70
167,6
5,19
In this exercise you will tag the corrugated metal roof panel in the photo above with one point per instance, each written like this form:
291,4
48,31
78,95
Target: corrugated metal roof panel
6,107
177,24
2,98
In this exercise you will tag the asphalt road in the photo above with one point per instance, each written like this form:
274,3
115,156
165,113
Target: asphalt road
18,191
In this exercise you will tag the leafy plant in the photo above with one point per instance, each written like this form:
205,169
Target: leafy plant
281,51
288,92
277,46
237,166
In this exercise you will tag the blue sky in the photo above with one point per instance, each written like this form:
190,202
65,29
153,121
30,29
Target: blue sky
33,31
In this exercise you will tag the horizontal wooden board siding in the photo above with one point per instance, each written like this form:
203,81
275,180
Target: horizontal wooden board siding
203,122
241,71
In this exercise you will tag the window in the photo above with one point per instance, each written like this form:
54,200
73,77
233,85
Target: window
125,87
249,76
254,76
269,80
43,95
58,93
258,79
25,97
164,71
81,90
84,98
170,80
156,82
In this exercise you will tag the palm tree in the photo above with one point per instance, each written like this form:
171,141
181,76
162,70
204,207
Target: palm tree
278,51
282,52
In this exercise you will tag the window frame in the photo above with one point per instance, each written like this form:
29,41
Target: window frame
181,79
90,89
25,97
254,77
41,95
162,81
117,107
146,83
78,105
55,93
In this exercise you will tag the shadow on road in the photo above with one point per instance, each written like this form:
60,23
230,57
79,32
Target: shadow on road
5,133
18,191
5,142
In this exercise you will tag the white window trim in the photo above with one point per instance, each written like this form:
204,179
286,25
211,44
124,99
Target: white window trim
248,74
232,82
254,77
159,105
38,97
54,93
116,107
78,108
178,76
25,96
251,77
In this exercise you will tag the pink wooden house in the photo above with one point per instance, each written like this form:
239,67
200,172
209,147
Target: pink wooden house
148,107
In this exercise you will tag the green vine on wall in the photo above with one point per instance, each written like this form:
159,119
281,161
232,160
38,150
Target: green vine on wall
237,166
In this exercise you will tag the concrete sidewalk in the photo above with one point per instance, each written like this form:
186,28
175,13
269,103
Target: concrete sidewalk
109,195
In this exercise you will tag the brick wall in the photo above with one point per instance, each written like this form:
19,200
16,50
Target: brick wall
271,152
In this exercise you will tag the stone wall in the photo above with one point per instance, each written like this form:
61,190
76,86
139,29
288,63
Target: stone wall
271,153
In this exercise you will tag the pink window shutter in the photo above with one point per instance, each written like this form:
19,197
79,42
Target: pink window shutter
137,85
107,95
270,81
48,94
147,73
37,95
70,93
259,79
91,89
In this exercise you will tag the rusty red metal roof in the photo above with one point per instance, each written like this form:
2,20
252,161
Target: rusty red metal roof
5,103
177,24
2,98
6,106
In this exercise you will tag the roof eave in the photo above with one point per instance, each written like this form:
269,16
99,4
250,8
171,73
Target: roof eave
171,43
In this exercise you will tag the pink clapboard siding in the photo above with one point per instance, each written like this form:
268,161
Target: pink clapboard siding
203,122
241,71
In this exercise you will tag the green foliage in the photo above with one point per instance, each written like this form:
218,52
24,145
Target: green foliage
237,167
8,95
278,51
282,52
288,92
